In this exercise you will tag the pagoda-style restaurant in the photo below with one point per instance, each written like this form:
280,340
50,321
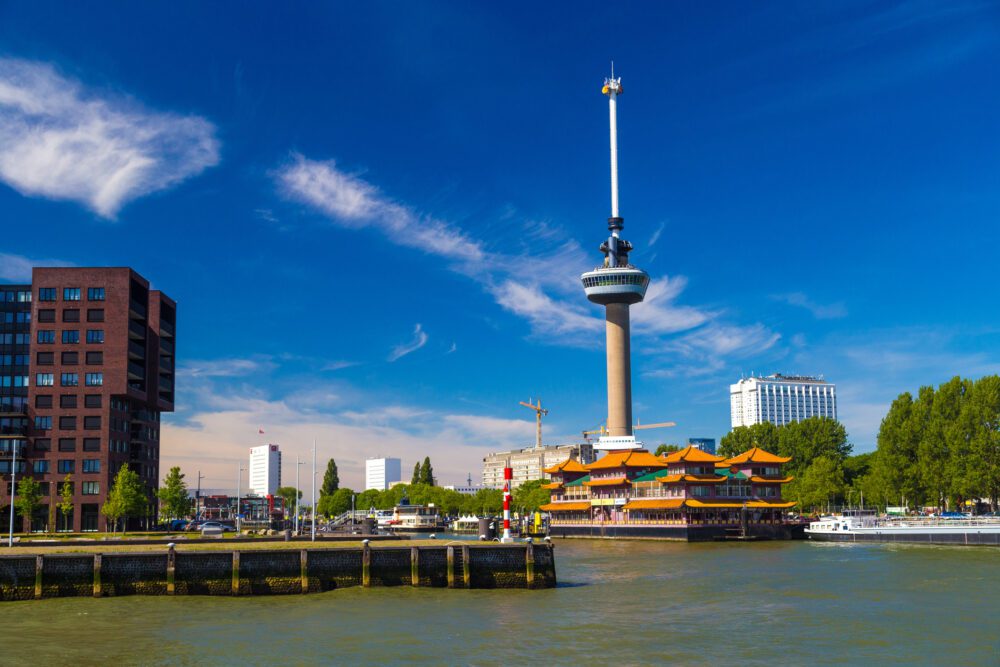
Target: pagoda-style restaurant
685,495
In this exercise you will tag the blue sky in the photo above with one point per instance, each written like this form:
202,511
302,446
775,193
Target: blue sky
373,217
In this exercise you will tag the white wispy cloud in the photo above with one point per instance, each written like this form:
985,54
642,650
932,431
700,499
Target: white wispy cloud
418,341
819,311
656,235
547,315
62,140
340,364
17,268
452,349
223,367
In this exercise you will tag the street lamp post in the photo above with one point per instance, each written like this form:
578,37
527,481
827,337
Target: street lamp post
13,490
314,493
239,489
297,492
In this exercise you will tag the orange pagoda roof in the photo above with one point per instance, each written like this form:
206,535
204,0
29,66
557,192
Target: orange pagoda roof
671,479
553,486
565,507
771,480
569,465
654,504
753,504
692,454
608,481
757,455
628,458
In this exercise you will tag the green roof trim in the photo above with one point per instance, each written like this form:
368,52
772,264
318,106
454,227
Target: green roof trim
730,474
651,476
577,482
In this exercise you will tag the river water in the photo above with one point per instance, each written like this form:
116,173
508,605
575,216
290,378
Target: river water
770,603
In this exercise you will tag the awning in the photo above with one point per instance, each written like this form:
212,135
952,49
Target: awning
566,507
655,504
752,504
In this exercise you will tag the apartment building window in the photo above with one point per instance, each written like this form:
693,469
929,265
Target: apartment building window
43,401
95,294
91,444
67,401
70,358
46,336
92,400
67,423
95,314
43,444
46,293
71,294
40,467
46,315
95,335
45,358
92,423
71,315
91,488
66,466
91,465
44,379
70,379
70,336
95,358
95,379
43,422
67,444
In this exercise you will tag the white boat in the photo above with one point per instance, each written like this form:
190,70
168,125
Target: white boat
415,518
867,526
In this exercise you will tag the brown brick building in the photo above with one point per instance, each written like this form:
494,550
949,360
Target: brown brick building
101,371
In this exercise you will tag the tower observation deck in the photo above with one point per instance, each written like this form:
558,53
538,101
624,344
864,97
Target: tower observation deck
616,285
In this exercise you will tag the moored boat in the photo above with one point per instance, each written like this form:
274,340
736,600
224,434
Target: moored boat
867,526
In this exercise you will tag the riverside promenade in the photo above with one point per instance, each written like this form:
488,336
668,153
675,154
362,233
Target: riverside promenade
74,570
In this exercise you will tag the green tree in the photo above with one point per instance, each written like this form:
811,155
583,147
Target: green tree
66,499
173,495
288,495
742,438
485,501
367,499
895,463
667,449
805,441
29,498
126,498
529,496
427,472
820,484
981,420
335,503
416,473
331,480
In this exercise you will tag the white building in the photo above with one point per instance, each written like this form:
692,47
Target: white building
528,463
468,490
265,470
781,399
381,473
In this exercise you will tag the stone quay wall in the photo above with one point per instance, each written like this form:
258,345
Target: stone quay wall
275,572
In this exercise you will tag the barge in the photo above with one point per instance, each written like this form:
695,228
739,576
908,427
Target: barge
865,526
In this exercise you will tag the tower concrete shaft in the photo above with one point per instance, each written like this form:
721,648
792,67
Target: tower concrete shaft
619,369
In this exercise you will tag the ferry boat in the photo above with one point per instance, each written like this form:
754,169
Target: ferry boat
415,519
867,526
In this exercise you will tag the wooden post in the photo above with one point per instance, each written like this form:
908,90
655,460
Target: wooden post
529,564
97,575
236,573
414,566
304,569
39,561
451,566
366,566
466,579
171,564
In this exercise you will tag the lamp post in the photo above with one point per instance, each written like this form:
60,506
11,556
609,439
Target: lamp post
197,497
314,493
239,489
13,489
297,493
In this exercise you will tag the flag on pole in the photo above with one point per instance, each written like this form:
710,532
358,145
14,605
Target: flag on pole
260,431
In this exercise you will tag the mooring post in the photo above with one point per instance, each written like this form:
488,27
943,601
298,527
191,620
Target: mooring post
171,564
304,570
466,579
450,551
529,563
414,566
236,573
39,561
97,575
366,564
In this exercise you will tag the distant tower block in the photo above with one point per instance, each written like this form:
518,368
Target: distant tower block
616,285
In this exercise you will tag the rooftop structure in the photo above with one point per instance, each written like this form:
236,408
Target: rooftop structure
616,285
781,399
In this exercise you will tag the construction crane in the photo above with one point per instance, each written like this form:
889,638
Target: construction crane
636,427
539,413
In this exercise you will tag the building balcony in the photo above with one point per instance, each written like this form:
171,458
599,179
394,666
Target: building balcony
136,330
8,446
166,364
166,346
136,350
135,371
166,329
136,310
166,384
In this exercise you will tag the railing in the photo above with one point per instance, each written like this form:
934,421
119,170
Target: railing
8,446
166,346
136,308
134,348
136,370
137,330
166,329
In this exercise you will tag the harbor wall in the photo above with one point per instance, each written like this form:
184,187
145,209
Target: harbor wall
275,572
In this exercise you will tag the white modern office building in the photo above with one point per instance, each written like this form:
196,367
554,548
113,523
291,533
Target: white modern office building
265,470
382,473
781,399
